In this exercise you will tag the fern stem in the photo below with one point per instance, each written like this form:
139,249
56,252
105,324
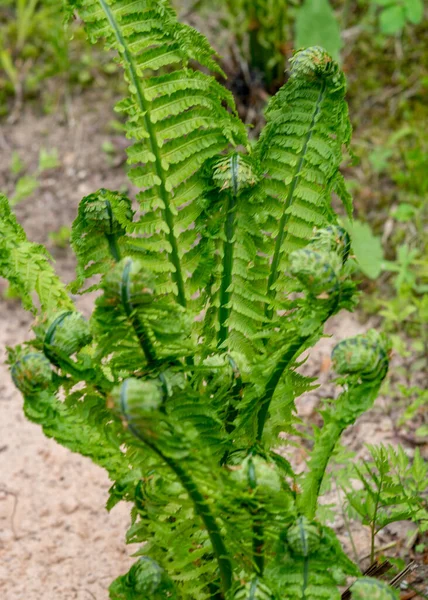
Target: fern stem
136,322
258,544
164,194
229,234
111,238
202,509
113,247
274,270
274,379
320,457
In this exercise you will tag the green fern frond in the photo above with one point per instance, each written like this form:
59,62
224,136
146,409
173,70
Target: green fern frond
300,153
234,309
28,266
178,120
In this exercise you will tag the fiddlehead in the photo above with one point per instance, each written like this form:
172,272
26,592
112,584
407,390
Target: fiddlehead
145,579
365,359
131,297
98,235
32,373
67,332
235,309
309,563
320,268
367,587
365,356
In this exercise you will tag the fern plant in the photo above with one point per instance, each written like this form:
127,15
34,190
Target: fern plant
210,288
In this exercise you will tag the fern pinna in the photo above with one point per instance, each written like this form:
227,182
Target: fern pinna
208,295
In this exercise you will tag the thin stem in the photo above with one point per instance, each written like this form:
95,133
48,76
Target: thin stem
373,523
135,321
164,194
229,234
274,270
347,525
202,509
372,541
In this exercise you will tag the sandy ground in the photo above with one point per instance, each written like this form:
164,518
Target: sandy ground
56,539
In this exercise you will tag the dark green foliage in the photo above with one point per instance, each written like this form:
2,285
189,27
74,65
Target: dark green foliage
186,371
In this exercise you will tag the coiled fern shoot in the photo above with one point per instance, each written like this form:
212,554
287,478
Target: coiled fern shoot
208,296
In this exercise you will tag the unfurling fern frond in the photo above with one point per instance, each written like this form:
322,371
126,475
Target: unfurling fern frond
367,587
303,537
135,324
27,266
300,153
98,233
310,563
365,360
32,373
178,119
145,579
364,355
67,332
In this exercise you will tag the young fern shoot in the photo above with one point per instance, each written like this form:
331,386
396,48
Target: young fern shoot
184,375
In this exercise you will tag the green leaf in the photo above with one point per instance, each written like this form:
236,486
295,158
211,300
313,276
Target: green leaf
25,186
16,164
316,25
404,212
48,159
367,248
414,10
392,20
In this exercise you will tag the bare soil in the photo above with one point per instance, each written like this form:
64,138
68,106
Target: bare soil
56,539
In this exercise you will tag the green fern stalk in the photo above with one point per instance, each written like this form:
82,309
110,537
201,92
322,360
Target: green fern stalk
273,382
201,506
111,237
229,234
136,321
